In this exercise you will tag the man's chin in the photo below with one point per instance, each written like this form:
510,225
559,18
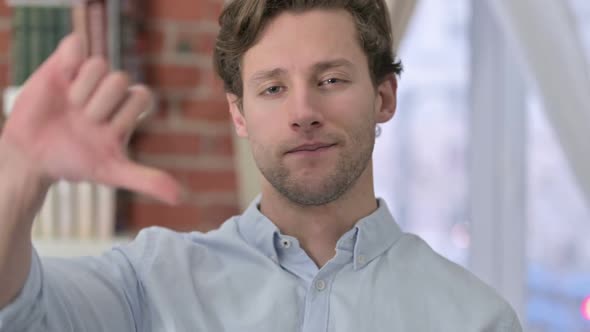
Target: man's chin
311,199
311,193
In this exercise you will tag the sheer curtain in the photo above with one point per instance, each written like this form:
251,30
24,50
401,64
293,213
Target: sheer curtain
543,36
543,32
401,12
419,158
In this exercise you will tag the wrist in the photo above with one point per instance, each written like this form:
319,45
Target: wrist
16,165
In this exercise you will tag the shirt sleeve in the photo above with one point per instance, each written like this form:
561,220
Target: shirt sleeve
81,294
511,322
504,320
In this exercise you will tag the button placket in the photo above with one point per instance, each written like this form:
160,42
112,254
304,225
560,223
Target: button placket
361,259
320,285
316,313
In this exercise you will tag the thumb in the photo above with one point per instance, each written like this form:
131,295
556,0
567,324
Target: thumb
145,180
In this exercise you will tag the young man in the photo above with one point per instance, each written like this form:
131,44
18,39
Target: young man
307,83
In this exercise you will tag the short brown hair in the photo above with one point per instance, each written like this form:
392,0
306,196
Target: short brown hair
242,21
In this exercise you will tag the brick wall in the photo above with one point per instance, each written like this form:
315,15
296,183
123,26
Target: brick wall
190,135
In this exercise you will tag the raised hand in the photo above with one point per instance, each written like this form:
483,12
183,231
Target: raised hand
72,120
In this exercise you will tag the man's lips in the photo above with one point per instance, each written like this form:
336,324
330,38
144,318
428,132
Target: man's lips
311,147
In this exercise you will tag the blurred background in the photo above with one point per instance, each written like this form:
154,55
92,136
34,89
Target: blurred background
486,159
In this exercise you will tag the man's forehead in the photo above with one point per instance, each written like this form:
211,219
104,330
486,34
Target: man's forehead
313,40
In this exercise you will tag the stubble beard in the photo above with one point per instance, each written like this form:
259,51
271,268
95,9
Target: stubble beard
350,164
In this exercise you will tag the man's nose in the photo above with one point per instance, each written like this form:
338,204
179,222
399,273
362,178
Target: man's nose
304,111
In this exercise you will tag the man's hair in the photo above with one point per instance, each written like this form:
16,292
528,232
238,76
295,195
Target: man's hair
242,22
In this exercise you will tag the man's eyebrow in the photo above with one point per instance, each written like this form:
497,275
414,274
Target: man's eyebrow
262,75
325,65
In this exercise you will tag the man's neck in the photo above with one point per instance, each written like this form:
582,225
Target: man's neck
318,228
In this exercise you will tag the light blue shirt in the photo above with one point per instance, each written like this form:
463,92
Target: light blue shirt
247,276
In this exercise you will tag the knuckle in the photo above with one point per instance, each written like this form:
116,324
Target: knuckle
141,91
119,79
98,65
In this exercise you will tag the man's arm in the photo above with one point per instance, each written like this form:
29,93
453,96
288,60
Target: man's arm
85,294
21,194
70,121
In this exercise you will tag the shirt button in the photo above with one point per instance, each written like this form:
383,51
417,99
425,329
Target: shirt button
286,243
361,259
320,285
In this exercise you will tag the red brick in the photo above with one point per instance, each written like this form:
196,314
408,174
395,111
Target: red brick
206,180
217,145
206,110
5,36
185,10
184,218
212,214
172,76
171,81
4,9
4,76
196,42
154,123
171,143
210,79
166,143
153,41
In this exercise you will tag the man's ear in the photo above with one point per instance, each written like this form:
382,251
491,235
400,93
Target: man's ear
236,115
387,99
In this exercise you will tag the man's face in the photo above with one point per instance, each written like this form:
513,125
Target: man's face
309,105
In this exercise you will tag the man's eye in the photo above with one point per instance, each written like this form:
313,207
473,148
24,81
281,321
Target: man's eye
330,81
273,90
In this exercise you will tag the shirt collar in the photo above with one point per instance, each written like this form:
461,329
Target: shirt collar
369,238
375,234
258,231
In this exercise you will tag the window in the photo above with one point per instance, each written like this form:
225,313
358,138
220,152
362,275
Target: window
421,167
558,222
